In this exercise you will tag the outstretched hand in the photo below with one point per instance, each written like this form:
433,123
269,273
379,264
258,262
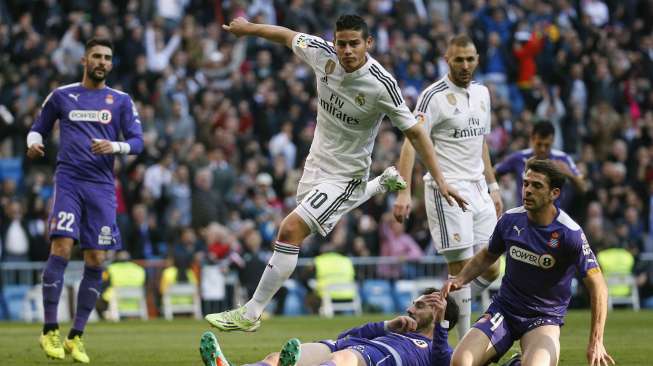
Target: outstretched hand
237,27
450,285
597,355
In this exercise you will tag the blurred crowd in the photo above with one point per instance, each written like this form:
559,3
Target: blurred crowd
228,122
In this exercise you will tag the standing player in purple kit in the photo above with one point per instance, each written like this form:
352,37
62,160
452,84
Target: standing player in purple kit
544,249
91,118
541,143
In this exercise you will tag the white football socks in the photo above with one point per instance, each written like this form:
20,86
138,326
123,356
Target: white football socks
478,285
279,268
372,187
463,298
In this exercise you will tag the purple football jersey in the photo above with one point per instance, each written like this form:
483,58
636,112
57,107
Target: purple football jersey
541,261
86,114
396,349
515,163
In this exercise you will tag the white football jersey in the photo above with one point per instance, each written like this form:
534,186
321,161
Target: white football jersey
457,120
350,109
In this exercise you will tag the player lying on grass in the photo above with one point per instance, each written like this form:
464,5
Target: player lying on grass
418,338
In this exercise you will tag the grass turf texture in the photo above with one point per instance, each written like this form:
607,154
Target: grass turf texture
158,342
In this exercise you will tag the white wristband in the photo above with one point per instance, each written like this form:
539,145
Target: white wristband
34,138
120,147
494,186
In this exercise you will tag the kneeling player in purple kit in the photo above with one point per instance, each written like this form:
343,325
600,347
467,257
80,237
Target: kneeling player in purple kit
91,118
417,339
544,249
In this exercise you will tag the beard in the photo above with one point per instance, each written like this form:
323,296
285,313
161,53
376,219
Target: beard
424,324
91,74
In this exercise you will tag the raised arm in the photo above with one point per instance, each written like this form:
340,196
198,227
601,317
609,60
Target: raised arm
241,27
596,352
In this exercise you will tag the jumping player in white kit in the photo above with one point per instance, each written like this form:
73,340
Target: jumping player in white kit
354,94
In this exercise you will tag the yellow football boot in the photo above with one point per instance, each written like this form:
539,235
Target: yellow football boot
51,344
76,349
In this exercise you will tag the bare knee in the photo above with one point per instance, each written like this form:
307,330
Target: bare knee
62,247
345,357
461,358
94,258
293,230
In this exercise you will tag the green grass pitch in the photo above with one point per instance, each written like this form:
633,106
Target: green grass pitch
629,338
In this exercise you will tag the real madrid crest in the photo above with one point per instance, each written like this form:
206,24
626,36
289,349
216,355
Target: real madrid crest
302,42
330,67
483,106
360,99
456,237
451,98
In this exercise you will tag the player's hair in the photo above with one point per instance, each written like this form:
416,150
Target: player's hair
352,22
543,129
550,170
461,40
98,42
451,312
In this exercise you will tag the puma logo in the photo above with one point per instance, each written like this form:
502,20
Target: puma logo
74,96
53,284
96,292
518,230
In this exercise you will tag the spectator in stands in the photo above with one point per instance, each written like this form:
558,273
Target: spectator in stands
396,243
206,204
15,233
37,227
157,50
188,246
144,237
526,48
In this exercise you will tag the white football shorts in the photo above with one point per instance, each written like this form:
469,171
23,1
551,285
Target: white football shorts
456,232
323,200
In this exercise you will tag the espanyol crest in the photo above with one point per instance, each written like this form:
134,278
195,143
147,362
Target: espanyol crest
420,343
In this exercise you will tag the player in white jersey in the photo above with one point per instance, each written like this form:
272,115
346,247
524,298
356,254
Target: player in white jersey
354,93
456,112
